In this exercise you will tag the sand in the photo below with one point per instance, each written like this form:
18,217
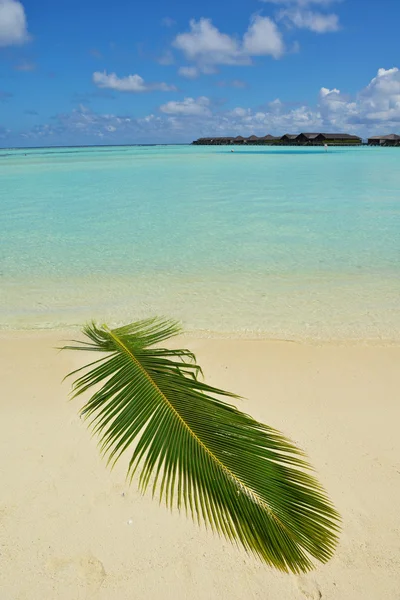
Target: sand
70,529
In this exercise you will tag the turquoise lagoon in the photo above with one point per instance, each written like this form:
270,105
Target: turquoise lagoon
272,242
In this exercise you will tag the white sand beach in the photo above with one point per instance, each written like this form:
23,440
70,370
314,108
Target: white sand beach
72,530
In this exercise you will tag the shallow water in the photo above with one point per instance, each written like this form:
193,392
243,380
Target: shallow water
278,242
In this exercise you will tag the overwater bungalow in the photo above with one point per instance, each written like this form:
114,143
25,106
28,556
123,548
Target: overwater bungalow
384,140
309,138
298,139
263,140
224,140
340,138
312,139
289,138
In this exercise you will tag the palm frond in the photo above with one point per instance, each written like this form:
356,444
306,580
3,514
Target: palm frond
242,478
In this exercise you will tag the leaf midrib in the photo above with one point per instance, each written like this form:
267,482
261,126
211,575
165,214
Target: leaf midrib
221,465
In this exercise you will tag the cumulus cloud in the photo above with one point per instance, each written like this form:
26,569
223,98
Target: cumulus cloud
375,109
379,102
205,43
188,107
131,83
13,23
375,105
239,112
263,38
188,72
207,46
275,117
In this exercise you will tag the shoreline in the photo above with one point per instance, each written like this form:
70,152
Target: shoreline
339,310
201,334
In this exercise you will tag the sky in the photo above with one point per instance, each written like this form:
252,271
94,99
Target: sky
77,72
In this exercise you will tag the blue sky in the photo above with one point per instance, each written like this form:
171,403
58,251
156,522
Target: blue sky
96,72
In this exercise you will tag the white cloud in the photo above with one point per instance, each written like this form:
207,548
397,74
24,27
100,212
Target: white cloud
263,38
13,24
308,19
207,46
326,91
240,112
189,106
376,104
387,81
380,100
374,110
131,83
188,72
298,13
336,109
277,117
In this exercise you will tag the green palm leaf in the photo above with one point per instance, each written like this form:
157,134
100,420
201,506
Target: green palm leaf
242,478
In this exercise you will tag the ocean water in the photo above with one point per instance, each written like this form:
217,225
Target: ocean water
287,243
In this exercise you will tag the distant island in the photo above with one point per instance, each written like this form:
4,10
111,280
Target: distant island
300,139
